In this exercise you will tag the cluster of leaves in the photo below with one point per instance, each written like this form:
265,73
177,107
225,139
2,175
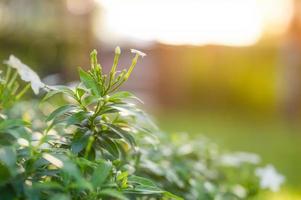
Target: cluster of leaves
195,169
88,150
97,144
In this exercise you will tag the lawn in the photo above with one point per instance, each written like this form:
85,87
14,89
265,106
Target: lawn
275,140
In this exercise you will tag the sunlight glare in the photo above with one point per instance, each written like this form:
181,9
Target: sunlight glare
193,22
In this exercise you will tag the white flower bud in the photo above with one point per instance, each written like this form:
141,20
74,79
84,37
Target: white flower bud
117,50
138,52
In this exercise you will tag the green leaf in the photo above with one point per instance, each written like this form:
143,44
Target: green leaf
89,82
70,168
56,90
12,123
141,181
8,156
110,146
87,100
42,186
79,143
145,190
101,173
122,133
172,196
123,95
4,175
60,197
80,92
77,118
113,193
59,111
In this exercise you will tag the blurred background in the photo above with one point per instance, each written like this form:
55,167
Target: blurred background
230,70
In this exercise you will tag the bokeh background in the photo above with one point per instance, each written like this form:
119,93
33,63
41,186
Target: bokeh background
230,70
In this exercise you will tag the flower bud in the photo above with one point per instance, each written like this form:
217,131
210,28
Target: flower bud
117,50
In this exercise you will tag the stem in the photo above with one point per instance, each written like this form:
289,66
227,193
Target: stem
134,62
23,91
11,82
89,145
7,74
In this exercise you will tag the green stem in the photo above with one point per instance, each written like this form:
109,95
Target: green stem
89,146
23,91
8,72
134,62
13,79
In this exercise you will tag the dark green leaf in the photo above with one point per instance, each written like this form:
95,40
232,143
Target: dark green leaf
110,146
78,144
122,133
101,173
77,118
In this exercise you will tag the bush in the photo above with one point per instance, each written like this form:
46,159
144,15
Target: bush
97,144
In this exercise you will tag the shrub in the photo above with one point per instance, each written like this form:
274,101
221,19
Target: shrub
97,144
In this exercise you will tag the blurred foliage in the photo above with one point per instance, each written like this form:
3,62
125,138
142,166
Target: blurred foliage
276,140
95,144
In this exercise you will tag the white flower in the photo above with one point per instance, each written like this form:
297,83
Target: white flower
269,178
26,74
240,191
238,158
138,52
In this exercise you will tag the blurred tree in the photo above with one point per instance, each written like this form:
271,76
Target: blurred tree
289,88
46,33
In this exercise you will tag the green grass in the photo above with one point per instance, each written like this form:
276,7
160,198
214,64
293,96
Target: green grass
278,142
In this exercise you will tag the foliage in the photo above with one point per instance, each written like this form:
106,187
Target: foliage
97,144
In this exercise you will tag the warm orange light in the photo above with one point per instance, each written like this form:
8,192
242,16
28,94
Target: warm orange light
196,22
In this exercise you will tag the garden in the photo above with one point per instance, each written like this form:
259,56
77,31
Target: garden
147,100
92,141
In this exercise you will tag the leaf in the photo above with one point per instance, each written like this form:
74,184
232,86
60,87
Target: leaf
4,175
101,173
53,160
42,186
60,197
56,90
79,143
122,133
112,193
89,82
59,111
172,196
51,94
70,168
111,146
87,100
123,95
8,156
77,118
141,181
12,123
146,190
80,92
